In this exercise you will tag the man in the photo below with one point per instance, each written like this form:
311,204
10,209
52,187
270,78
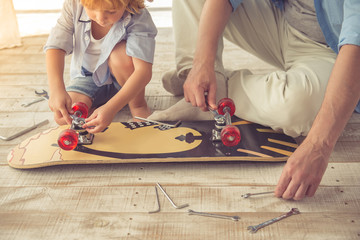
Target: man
314,44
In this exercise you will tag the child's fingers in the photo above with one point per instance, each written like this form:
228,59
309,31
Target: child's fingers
64,112
91,122
69,107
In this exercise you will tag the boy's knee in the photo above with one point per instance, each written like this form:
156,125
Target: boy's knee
119,60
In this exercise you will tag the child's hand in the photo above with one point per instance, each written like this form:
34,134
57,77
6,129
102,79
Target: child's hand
60,103
99,120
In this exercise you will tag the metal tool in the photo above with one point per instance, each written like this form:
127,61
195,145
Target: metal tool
24,131
166,125
32,102
213,215
44,94
254,229
158,202
171,201
253,194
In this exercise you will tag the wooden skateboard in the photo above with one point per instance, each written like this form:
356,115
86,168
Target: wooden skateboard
135,142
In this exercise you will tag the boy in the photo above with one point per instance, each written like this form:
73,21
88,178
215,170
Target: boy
113,43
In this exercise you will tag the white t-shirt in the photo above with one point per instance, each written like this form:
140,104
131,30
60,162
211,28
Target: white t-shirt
92,53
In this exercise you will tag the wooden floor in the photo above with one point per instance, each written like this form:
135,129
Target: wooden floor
112,201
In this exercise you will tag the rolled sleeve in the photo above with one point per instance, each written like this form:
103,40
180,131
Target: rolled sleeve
61,36
350,31
141,33
235,3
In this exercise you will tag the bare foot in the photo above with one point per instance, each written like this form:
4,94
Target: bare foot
143,112
181,110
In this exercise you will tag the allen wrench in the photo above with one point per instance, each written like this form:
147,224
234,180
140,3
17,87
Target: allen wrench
171,201
168,198
158,202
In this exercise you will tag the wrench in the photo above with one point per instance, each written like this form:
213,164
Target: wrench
253,229
32,102
164,126
247,195
204,214
44,94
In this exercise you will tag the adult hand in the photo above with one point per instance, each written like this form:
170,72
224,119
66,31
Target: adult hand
303,171
60,103
201,79
214,17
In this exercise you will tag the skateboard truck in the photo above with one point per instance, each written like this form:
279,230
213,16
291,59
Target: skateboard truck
76,135
224,131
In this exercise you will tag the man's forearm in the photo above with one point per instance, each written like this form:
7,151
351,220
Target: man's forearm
342,95
213,20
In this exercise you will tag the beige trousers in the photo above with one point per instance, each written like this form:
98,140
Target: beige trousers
287,99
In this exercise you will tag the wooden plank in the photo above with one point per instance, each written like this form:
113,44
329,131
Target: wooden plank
29,68
110,225
182,174
24,80
141,199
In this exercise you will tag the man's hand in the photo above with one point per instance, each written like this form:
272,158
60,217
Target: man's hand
214,17
303,171
201,80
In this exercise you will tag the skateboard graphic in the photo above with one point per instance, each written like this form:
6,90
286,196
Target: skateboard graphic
135,142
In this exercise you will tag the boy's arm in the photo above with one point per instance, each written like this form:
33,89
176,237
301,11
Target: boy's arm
103,116
59,101
304,169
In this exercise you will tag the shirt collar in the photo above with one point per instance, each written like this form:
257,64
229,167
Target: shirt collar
83,16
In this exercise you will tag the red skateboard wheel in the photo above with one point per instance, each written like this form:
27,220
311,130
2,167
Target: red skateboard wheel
68,139
226,102
80,109
230,135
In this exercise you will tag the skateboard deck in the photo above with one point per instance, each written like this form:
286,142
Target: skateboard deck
145,142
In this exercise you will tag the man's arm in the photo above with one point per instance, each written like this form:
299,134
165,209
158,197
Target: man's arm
201,78
305,168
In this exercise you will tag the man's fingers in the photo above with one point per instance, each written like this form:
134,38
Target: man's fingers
311,190
282,185
200,100
211,98
301,192
291,190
